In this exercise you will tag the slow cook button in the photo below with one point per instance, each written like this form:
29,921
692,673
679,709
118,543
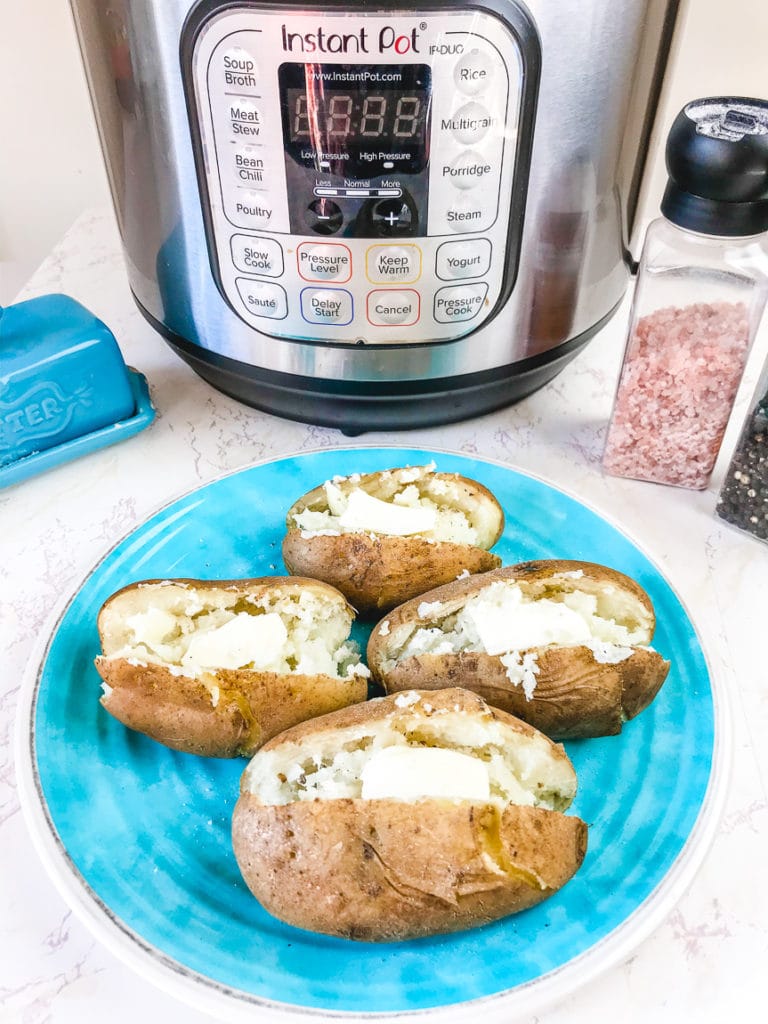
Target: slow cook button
473,72
393,263
239,69
263,299
330,262
459,304
468,170
387,307
260,256
331,306
456,260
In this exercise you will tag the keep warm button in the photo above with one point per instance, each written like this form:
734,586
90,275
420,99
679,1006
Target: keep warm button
332,306
459,304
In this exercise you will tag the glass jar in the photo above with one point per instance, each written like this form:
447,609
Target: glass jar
698,302
743,498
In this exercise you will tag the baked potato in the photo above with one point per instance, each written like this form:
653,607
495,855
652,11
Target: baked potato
382,538
407,816
563,645
218,667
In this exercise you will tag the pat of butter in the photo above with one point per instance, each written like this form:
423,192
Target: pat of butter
152,626
515,625
244,640
407,773
369,514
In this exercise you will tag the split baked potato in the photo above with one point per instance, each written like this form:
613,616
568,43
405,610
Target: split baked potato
407,816
564,645
382,538
218,667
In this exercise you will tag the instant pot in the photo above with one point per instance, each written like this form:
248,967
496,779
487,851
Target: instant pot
372,216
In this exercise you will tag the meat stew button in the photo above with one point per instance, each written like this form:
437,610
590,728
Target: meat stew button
387,307
331,306
459,304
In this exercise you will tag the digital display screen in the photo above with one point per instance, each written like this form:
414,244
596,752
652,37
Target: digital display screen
359,120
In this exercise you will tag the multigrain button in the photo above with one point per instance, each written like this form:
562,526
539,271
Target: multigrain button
260,256
331,306
459,304
393,263
261,298
456,260
251,210
330,262
473,73
468,170
387,307
239,69
469,124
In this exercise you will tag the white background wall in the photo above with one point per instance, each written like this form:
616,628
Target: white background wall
50,162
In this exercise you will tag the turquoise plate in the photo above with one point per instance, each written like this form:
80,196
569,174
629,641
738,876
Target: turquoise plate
138,836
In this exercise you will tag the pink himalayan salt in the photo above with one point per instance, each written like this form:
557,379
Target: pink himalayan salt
677,388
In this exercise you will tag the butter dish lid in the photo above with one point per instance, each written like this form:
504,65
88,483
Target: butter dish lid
64,387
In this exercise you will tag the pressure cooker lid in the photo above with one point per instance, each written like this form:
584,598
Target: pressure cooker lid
717,160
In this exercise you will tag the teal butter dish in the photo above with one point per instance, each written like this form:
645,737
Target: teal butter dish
65,390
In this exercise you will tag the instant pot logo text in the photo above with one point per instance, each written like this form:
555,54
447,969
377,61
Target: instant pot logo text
388,40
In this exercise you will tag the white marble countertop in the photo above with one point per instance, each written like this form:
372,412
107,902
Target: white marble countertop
704,963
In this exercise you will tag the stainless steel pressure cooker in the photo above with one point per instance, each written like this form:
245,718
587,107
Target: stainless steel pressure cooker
375,216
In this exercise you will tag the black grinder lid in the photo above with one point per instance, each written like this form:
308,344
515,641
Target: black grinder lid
717,160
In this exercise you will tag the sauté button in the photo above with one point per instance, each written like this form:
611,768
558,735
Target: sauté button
468,170
332,306
459,304
250,209
471,258
473,72
394,263
330,262
324,216
261,298
393,307
239,69
260,256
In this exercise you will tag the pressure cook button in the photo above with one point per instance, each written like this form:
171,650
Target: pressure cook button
260,256
471,212
332,306
393,263
325,216
261,298
251,210
459,304
463,259
239,69
330,262
470,123
393,307
467,170
474,72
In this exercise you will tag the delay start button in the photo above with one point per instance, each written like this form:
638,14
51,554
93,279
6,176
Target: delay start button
330,306
330,262
459,304
386,307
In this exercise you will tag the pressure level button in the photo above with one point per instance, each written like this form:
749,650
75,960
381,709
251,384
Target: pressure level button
473,73
329,262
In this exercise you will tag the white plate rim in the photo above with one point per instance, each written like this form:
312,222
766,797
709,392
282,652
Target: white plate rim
237,1007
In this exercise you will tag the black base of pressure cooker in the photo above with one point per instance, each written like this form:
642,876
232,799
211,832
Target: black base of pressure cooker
364,406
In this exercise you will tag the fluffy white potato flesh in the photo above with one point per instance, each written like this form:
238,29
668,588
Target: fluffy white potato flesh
459,757
194,630
410,501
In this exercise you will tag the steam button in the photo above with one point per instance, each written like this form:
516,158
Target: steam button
473,73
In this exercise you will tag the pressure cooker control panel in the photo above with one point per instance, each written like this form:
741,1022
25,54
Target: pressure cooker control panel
361,175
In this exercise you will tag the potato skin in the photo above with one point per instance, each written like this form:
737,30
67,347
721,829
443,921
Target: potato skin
377,573
383,871
575,695
178,711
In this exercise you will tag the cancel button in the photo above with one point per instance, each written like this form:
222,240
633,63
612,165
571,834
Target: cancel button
459,304
386,306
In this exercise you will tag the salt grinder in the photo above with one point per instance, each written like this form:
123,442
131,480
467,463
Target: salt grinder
701,288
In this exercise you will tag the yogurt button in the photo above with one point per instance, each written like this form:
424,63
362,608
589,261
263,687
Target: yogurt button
260,256
468,170
393,307
331,306
261,298
463,259
473,73
459,304
470,123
